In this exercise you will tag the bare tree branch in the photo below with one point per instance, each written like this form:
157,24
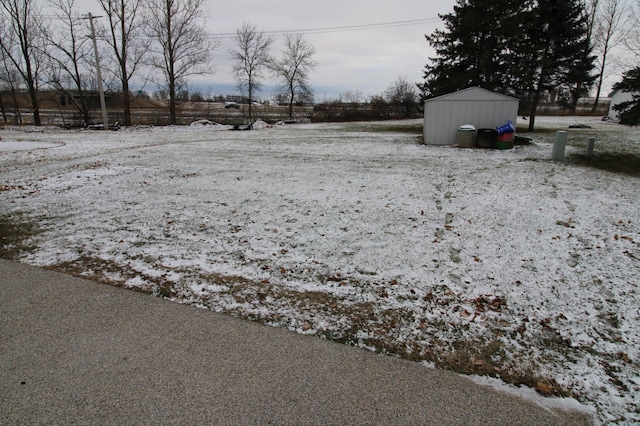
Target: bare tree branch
250,56
69,51
125,36
181,46
293,69
610,30
21,43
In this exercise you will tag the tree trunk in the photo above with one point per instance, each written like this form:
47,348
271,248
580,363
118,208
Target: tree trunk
172,102
173,113
14,95
4,113
250,102
84,105
601,76
33,94
291,97
595,103
534,105
599,88
126,102
126,97
171,71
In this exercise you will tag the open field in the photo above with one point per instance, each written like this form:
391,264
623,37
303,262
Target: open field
499,263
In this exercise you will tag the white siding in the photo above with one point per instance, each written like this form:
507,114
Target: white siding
617,98
476,106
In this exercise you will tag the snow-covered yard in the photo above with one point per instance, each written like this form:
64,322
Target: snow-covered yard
500,263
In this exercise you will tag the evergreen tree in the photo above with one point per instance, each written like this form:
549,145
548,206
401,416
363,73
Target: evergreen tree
629,112
555,49
470,50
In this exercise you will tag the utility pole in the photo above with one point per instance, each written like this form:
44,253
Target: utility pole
105,120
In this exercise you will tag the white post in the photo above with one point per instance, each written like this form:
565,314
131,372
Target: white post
590,144
103,105
559,145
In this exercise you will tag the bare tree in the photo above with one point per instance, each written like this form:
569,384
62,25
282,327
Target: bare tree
609,31
250,55
632,39
21,44
9,80
293,69
69,51
181,46
351,97
125,36
402,95
590,9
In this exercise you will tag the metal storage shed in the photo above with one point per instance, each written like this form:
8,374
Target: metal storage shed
477,106
618,97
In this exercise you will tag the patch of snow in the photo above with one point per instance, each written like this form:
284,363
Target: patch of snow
368,238
9,146
209,125
259,125
528,394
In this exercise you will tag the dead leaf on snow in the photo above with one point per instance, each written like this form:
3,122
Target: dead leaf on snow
544,389
624,357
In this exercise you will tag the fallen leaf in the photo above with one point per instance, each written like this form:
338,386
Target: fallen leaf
624,357
544,389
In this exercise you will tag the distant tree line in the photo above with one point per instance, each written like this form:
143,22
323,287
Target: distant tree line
399,101
44,46
532,49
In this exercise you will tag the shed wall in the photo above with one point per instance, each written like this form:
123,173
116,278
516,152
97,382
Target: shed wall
618,97
443,117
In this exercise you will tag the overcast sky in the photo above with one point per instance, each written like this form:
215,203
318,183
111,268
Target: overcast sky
365,60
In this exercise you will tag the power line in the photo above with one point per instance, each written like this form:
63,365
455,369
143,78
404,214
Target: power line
318,30
323,30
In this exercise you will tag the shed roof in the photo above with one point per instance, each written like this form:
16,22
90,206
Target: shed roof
473,94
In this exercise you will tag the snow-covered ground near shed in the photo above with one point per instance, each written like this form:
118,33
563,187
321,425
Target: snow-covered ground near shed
500,263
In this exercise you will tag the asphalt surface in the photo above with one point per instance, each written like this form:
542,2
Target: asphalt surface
77,352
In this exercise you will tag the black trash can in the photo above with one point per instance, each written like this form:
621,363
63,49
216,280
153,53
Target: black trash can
485,138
